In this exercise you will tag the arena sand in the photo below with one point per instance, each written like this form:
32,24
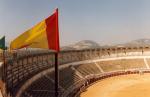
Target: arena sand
132,85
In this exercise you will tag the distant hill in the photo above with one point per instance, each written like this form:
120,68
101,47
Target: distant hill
138,42
7,44
84,44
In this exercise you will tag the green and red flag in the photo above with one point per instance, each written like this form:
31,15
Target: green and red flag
2,43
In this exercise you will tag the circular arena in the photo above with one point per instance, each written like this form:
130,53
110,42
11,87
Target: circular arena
100,72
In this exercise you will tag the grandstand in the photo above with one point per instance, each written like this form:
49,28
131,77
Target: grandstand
29,74
122,64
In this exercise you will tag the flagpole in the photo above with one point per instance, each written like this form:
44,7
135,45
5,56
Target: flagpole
4,73
3,77
56,75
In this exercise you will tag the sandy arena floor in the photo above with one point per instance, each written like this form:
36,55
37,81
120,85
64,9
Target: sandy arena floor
134,85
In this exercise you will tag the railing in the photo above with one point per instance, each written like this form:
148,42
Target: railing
24,64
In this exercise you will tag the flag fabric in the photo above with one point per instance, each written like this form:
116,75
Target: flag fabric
43,35
2,43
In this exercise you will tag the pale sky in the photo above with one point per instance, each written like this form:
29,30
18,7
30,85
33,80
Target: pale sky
103,21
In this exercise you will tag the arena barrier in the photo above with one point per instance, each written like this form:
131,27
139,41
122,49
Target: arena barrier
24,64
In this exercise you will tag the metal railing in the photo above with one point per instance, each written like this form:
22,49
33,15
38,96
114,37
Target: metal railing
22,65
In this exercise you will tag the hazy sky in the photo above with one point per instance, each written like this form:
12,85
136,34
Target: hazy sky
104,21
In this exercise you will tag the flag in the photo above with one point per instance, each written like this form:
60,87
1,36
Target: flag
2,43
43,35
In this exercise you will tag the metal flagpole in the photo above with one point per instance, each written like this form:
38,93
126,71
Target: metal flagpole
3,67
4,74
56,75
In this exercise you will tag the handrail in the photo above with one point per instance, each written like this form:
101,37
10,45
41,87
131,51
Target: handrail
14,65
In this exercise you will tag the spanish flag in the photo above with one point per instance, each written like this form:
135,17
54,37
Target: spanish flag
43,35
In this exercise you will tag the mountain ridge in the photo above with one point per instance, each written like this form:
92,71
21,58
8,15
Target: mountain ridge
87,44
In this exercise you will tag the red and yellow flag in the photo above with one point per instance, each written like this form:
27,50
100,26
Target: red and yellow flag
43,35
